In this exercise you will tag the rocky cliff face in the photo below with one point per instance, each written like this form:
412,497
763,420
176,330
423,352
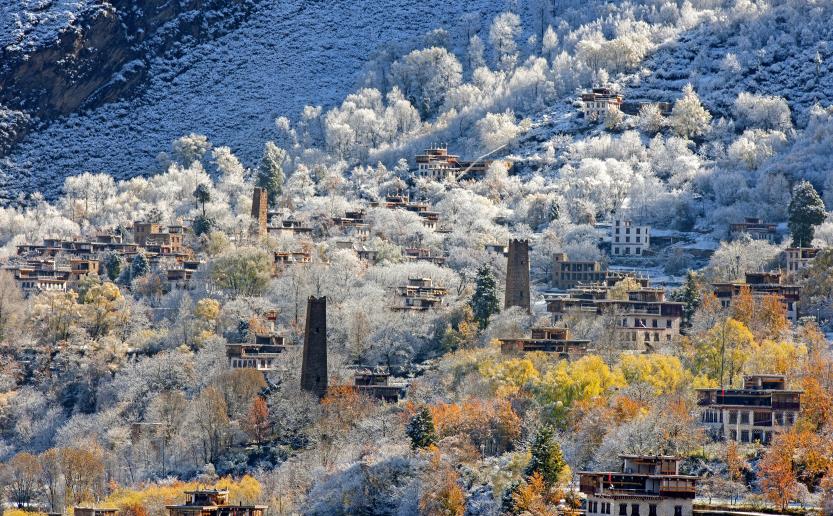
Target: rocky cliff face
102,55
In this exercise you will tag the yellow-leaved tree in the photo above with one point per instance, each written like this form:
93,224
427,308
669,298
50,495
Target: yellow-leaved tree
586,378
724,348
665,373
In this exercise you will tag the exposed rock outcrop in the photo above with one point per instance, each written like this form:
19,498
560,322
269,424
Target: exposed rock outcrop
101,56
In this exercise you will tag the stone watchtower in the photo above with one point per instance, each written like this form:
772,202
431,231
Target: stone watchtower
260,204
517,275
314,364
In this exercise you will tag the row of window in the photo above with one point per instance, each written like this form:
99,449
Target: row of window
745,436
627,240
594,507
643,323
647,337
628,230
627,250
252,363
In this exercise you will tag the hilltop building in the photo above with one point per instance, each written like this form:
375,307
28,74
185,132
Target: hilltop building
596,103
567,274
627,239
419,294
547,340
763,406
762,284
151,236
429,218
94,511
289,227
646,486
799,258
437,164
641,321
353,224
756,228
375,383
213,502
423,254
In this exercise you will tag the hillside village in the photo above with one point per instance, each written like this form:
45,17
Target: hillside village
522,280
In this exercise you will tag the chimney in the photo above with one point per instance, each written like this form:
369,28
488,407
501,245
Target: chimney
517,275
314,364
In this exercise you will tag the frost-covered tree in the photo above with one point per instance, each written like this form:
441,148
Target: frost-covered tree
650,120
270,171
475,53
755,146
426,76
613,119
232,175
549,43
191,148
437,38
689,118
503,35
806,211
730,64
765,112
498,129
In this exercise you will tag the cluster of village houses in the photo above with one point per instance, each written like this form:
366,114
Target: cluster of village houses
644,320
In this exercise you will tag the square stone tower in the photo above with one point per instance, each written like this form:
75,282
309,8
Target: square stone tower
314,363
260,205
517,275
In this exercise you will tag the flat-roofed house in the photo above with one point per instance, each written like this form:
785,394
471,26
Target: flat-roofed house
629,240
419,294
755,228
763,407
213,502
647,485
641,321
376,384
547,340
799,258
762,284
596,103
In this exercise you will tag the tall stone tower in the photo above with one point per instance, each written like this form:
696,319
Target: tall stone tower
314,364
260,204
517,275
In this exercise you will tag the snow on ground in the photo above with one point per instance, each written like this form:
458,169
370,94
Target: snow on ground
286,55
27,24
772,57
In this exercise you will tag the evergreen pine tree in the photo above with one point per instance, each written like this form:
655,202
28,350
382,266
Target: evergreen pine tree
547,458
112,265
203,196
553,211
139,266
270,171
202,225
689,295
805,211
421,429
484,302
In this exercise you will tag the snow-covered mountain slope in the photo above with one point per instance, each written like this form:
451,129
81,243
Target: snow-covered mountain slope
771,50
285,55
